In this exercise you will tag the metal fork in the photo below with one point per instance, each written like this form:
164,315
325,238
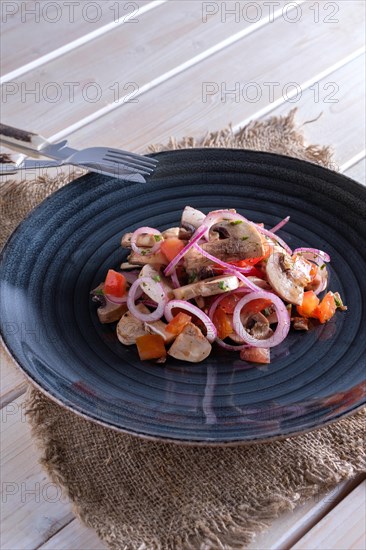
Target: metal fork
109,159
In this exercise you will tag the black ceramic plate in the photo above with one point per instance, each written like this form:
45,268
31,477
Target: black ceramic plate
64,248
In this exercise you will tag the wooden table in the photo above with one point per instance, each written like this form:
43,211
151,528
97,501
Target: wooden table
129,74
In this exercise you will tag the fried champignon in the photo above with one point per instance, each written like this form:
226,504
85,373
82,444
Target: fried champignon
190,345
108,312
129,327
287,277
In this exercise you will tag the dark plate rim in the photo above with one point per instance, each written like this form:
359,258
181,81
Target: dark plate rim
358,187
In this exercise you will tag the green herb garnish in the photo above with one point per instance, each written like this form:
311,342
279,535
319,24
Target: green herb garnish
223,286
99,292
143,252
156,278
322,266
266,312
236,222
338,302
244,238
192,276
157,238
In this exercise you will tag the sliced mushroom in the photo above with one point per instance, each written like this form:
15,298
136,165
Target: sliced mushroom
257,325
259,282
108,312
129,327
207,287
159,327
191,218
237,229
285,278
247,243
126,266
300,323
190,345
153,290
140,259
178,233
144,240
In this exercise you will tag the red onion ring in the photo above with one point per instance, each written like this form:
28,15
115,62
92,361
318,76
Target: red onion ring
181,304
212,310
231,347
175,280
116,299
317,255
215,303
146,317
276,238
148,231
283,318
232,269
323,283
197,235
280,225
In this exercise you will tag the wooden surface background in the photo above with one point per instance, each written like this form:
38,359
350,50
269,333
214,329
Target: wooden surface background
128,74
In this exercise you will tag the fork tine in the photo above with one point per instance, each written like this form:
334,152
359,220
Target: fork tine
126,154
121,166
123,159
129,162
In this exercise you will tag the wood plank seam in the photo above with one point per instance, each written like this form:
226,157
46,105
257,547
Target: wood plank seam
338,497
303,86
78,42
171,73
353,161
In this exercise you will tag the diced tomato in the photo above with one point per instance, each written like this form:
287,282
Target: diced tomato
326,309
150,346
171,247
177,324
255,355
255,272
115,284
222,323
228,303
310,302
255,306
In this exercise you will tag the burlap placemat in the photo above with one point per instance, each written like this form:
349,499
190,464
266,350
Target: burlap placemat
148,495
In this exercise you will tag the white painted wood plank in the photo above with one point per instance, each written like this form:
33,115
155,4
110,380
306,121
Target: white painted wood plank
32,508
290,526
46,27
180,109
97,77
75,536
343,528
341,100
12,382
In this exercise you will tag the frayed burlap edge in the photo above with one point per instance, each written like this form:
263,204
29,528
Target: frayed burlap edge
224,529
260,135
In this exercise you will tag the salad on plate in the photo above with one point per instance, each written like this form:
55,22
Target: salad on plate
218,279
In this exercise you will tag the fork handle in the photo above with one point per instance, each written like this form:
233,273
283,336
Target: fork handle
21,140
